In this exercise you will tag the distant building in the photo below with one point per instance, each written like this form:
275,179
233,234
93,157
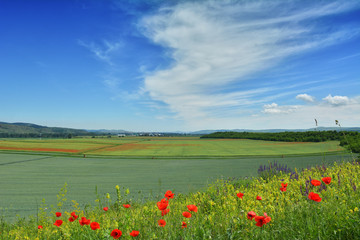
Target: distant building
121,135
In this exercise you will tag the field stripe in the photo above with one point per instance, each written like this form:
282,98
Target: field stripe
29,160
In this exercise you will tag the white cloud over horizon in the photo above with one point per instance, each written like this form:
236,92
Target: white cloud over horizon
276,109
306,97
215,46
291,117
337,100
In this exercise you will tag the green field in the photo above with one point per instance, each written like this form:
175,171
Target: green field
26,179
33,169
166,147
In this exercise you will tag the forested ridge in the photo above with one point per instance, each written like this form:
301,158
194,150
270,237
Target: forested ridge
28,130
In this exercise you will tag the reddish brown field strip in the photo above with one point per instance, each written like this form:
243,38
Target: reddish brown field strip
41,149
225,139
285,143
333,149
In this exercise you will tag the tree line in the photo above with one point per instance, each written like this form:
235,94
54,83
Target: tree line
351,142
348,139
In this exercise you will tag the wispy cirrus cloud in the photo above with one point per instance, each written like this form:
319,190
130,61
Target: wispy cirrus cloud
215,46
103,52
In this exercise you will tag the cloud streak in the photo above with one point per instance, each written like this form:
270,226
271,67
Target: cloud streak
276,109
215,46
103,52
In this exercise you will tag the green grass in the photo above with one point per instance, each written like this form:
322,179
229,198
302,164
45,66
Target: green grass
167,147
26,179
78,144
216,147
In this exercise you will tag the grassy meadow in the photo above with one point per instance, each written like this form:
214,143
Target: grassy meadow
166,147
26,179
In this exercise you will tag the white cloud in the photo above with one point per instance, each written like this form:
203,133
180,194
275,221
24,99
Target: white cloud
276,109
337,100
305,97
288,117
216,44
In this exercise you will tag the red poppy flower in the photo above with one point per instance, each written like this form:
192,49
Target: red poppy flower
186,214
261,220
259,198
240,195
116,233
94,225
164,212
251,215
105,209
58,214
315,197
161,222
134,233
40,227
192,208
326,180
183,225
169,194
126,205
71,219
83,221
58,223
283,189
267,218
162,205
315,182
283,185
74,215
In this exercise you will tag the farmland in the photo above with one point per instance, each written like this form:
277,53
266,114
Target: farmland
147,168
166,147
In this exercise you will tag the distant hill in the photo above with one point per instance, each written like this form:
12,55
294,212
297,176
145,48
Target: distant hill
33,130
20,129
110,131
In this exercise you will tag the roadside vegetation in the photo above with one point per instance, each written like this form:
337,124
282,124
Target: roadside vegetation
316,203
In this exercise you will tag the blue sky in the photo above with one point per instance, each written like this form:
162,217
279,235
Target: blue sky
180,65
